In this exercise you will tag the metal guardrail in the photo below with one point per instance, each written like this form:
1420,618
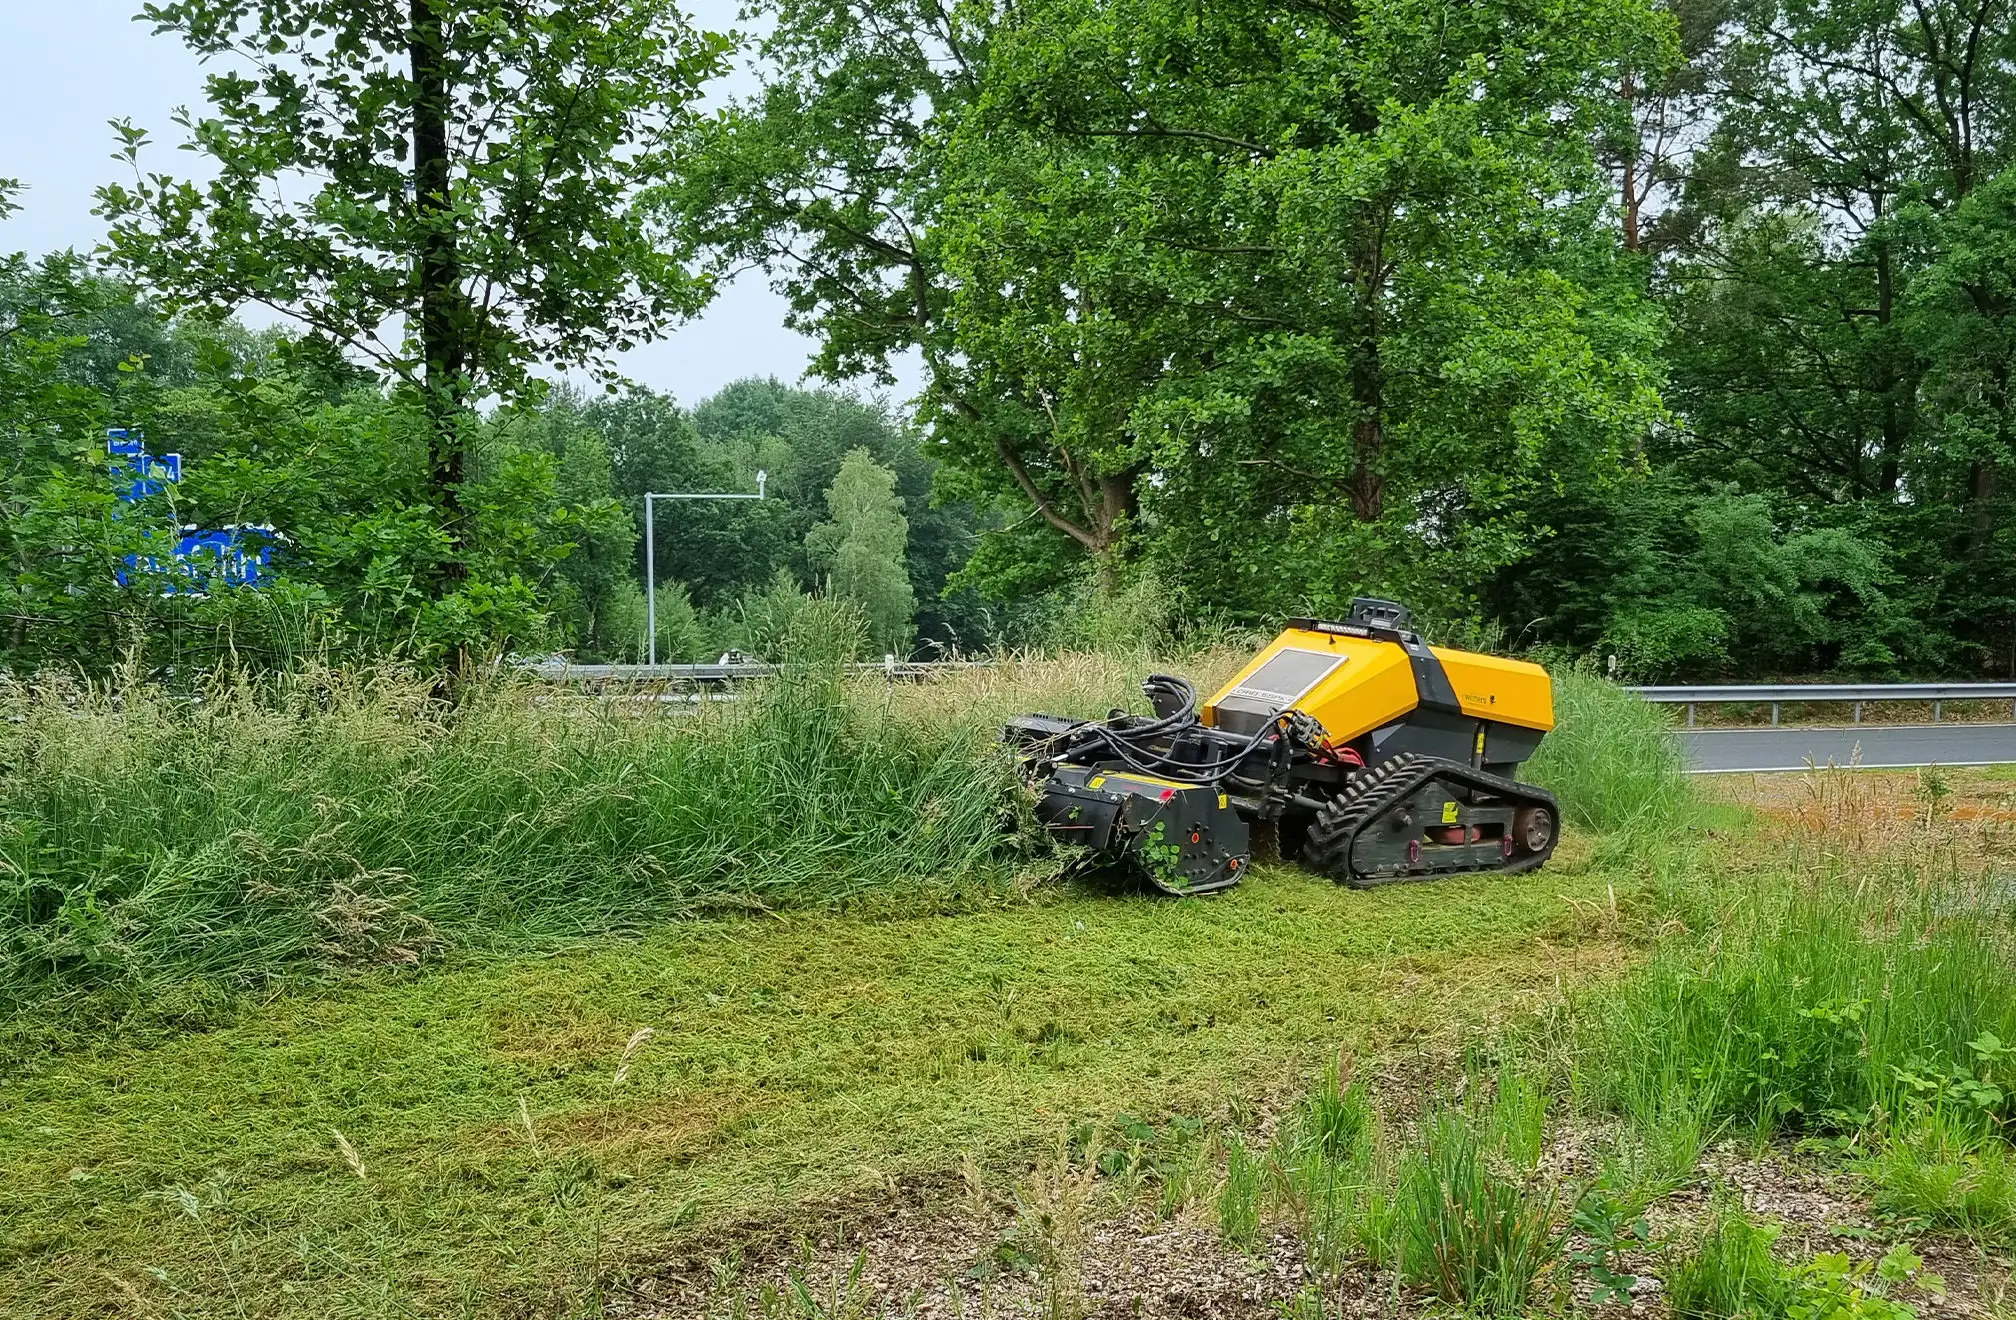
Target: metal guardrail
1855,694
721,675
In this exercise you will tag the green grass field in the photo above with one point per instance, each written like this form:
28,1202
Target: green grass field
498,1010
793,1060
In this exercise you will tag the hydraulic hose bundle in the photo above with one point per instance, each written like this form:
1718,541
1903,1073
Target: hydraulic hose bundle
1177,743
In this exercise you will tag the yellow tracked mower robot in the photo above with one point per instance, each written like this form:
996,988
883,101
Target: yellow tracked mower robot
1354,747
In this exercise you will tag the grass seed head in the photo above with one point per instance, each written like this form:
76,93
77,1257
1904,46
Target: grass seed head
636,1042
349,1153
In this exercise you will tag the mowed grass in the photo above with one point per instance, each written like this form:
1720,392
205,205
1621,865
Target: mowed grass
500,1166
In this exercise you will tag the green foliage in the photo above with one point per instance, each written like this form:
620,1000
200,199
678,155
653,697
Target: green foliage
765,617
1121,283
535,255
861,549
1824,355
1669,580
1282,338
275,431
496,243
683,636
1608,1227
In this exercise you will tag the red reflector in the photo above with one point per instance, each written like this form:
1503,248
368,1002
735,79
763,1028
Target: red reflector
1168,793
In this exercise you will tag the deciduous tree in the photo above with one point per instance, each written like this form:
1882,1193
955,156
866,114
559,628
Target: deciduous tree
860,549
445,188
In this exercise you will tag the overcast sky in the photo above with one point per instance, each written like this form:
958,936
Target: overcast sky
68,66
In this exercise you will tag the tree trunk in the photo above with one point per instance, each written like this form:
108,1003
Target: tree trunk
1891,463
443,324
1630,93
1116,506
1368,394
1984,478
1983,484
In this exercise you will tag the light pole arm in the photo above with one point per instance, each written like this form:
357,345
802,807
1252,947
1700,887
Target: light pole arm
651,554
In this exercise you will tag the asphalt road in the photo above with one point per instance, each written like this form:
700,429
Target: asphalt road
1725,751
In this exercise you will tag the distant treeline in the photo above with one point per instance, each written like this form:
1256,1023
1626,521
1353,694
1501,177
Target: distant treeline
1680,333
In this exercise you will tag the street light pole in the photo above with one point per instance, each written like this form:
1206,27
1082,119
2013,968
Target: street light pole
651,556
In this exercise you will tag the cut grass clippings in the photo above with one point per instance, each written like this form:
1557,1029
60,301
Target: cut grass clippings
490,1163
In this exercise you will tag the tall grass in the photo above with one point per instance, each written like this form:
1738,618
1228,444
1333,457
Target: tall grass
1731,1273
329,819
1831,1003
1469,1231
1612,760
174,851
1323,1171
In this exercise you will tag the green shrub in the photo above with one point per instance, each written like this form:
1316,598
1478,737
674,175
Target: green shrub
1612,759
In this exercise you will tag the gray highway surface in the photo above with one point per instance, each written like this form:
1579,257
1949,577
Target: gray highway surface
1725,751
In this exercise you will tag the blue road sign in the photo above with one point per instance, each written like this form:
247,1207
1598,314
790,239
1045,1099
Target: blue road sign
199,559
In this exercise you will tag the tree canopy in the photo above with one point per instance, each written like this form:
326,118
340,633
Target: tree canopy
1674,331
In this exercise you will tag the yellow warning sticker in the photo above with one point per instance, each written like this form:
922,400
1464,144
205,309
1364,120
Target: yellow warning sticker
1480,742
1448,813
1096,781
1221,800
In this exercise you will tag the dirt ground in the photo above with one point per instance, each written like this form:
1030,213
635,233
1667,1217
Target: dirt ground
929,1251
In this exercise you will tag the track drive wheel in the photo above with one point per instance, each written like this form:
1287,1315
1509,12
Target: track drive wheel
1533,830
1327,849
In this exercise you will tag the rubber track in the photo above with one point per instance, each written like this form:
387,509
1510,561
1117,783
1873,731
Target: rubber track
1328,846
1337,827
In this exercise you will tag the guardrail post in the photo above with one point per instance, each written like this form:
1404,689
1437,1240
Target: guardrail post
1774,713
1690,714
1858,712
1935,710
